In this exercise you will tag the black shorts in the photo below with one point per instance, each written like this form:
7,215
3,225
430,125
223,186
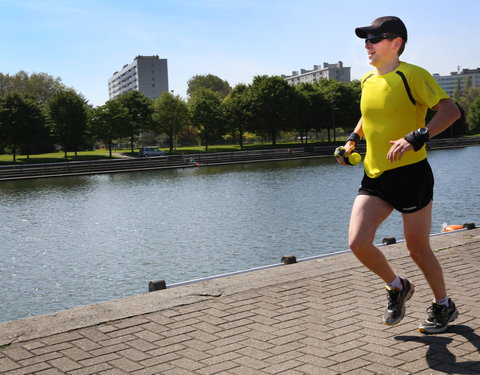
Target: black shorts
407,189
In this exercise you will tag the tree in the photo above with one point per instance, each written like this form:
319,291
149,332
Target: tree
67,112
209,81
107,121
343,99
40,86
313,109
272,100
170,115
206,114
21,122
139,108
468,97
473,118
237,111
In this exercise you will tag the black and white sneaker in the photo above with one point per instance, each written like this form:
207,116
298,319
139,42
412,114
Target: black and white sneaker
438,317
395,310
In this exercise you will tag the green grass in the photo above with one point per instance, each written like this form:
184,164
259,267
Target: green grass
55,157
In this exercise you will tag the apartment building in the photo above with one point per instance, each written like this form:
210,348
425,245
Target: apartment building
458,79
336,71
146,74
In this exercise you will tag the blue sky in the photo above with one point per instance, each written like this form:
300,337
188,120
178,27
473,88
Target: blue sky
84,41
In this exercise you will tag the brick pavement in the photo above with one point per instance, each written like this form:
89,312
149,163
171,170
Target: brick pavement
315,317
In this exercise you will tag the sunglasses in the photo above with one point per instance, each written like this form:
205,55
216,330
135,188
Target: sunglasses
378,38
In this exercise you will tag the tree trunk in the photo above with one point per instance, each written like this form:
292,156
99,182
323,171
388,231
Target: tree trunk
110,148
240,136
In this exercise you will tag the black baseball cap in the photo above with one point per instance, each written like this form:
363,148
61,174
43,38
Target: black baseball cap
388,24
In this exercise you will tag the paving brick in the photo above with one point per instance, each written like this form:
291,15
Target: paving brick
159,360
39,359
99,359
76,354
50,371
64,364
29,369
250,363
165,350
86,344
113,371
142,345
94,334
17,353
178,371
126,365
61,338
7,364
220,368
154,370
282,367
91,370
109,349
225,357
134,355
52,348
187,364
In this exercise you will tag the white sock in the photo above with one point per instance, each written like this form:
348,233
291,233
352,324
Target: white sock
396,283
444,301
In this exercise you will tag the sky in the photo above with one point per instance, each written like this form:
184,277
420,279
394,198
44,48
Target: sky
85,41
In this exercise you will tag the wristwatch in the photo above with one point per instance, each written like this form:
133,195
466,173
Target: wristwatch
424,132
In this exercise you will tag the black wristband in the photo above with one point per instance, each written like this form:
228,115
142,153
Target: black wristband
354,137
417,139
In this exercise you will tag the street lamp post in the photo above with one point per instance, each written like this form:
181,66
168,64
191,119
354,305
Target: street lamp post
174,140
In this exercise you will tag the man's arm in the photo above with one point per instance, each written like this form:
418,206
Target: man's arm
447,114
350,145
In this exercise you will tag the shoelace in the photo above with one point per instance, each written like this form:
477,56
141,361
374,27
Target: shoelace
434,312
393,296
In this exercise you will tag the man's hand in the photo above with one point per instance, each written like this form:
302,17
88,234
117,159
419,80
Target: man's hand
398,148
349,147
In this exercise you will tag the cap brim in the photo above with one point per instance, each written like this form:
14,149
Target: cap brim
362,32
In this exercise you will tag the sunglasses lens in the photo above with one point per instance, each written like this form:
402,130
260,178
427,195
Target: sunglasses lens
375,39
378,38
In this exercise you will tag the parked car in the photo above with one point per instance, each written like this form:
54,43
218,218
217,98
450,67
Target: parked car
150,151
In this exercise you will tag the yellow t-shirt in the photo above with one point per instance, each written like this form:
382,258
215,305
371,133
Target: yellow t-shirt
389,114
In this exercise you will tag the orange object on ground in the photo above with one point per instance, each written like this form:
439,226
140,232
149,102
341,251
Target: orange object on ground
452,228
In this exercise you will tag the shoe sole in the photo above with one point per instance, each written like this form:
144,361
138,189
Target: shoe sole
440,329
402,315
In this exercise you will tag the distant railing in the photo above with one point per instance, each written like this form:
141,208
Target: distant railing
72,168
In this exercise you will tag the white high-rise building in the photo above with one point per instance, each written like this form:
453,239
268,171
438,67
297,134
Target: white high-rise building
329,71
146,74
458,79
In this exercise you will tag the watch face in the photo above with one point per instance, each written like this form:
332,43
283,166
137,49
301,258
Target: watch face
423,130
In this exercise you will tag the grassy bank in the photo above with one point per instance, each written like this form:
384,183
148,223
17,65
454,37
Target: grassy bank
104,154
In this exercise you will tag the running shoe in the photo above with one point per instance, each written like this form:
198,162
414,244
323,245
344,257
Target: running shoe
438,317
395,310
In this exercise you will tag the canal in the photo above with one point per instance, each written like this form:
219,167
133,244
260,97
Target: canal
80,240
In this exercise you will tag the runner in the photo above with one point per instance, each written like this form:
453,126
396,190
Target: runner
395,98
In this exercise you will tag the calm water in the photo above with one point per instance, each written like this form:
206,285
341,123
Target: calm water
79,240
